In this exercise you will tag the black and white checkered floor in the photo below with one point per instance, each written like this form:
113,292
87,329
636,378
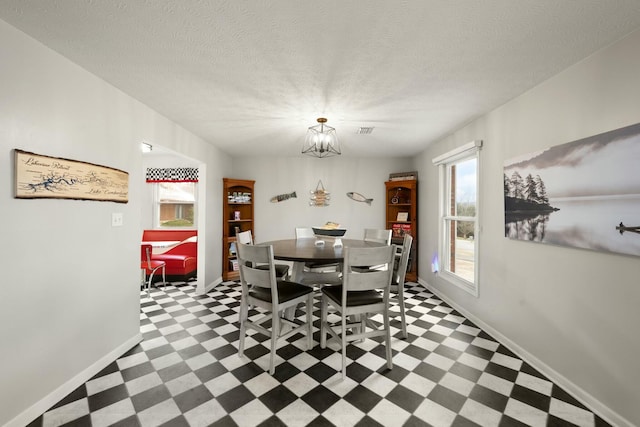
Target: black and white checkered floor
187,372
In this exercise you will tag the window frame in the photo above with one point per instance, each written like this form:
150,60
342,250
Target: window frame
157,204
445,218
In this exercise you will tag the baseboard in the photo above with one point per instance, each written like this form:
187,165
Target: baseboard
37,409
578,393
208,287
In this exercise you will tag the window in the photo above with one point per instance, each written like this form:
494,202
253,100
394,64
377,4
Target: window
458,238
175,204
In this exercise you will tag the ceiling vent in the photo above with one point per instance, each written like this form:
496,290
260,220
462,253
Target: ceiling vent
364,130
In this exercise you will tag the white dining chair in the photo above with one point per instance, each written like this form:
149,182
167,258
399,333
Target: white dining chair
261,289
304,233
245,237
149,267
361,294
401,263
377,235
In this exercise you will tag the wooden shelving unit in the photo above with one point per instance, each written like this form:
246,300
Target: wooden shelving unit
402,198
237,214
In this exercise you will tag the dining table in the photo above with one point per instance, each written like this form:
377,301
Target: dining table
314,250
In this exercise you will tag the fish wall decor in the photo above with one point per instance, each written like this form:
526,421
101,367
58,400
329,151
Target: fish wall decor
359,197
283,197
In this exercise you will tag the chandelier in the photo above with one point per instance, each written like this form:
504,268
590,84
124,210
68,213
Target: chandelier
321,140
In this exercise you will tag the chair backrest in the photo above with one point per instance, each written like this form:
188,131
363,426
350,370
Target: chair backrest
251,277
377,235
400,268
145,254
353,280
303,232
245,237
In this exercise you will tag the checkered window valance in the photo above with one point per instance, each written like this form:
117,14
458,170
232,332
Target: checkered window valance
172,174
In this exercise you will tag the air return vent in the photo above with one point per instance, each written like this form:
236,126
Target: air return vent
364,130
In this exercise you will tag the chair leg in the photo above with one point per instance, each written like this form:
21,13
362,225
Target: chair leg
387,338
244,314
164,277
275,333
324,302
310,321
403,318
343,335
149,284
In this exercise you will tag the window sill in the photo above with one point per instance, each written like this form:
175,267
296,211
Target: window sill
459,282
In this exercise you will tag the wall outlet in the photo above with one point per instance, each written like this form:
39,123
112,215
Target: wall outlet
117,219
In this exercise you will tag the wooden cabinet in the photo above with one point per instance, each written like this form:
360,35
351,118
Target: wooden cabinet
402,217
237,215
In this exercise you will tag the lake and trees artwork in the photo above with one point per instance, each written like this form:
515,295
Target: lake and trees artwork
583,194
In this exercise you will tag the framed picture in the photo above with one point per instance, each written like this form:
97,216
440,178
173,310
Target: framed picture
44,177
402,216
582,194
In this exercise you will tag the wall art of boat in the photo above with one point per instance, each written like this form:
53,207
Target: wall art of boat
622,228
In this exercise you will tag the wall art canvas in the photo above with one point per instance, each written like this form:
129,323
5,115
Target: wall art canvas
583,194
38,176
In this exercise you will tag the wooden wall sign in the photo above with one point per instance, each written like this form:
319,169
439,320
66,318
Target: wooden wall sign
44,177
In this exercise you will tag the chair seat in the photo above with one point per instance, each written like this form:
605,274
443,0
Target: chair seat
359,269
281,269
154,266
287,291
312,264
354,298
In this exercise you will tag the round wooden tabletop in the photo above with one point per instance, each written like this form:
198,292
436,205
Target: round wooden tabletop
302,250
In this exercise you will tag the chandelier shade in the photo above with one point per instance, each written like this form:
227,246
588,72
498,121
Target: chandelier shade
321,140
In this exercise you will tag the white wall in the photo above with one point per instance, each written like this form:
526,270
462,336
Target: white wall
574,313
339,175
70,300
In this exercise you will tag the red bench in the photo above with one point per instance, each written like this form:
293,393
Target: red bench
178,249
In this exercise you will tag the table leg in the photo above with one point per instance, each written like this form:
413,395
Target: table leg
297,272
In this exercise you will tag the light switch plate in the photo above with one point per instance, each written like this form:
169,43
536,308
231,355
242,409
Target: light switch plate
117,219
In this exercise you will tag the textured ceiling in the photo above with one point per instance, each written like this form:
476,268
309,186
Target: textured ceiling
249,76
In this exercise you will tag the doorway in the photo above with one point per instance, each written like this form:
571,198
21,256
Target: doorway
161,157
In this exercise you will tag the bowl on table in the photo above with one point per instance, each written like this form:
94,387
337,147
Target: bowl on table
329,232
